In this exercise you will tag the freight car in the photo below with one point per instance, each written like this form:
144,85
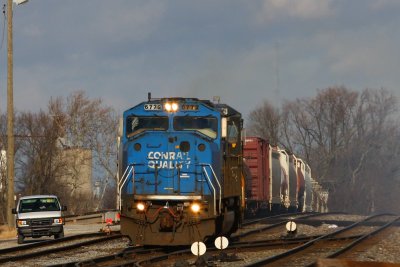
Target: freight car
180,169
268,177
279,181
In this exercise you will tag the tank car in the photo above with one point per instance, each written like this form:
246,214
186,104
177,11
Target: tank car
308,192
300,189
283,176
293,183
180,166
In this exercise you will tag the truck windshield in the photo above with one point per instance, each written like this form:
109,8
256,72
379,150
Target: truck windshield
38,204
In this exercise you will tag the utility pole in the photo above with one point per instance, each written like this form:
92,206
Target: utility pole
10,118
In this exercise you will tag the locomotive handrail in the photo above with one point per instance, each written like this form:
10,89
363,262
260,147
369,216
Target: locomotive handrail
204,165
123,180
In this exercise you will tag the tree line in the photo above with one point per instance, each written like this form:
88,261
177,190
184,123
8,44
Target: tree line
75,124
350,139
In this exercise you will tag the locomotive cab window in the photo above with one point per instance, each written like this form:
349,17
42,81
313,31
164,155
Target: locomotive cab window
135,125
233,133
205,125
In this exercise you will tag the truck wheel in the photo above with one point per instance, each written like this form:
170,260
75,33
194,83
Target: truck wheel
20,239
59,235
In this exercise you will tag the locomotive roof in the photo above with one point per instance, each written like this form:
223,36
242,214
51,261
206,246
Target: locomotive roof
231,111
224,108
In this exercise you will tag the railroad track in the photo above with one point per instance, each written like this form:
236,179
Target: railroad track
358,251
16,256
326,247
248,250
229,257
129,256
274,226
125,257
252,229
277,252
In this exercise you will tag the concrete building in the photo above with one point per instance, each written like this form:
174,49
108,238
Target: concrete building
76,171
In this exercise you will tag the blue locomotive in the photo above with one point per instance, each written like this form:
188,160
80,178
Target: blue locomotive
180,171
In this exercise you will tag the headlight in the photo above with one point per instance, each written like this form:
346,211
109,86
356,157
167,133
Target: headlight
195,207
22,223
58,221
140,206
171,107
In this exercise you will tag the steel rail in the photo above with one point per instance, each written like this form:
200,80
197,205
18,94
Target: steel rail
54,250
261,229
236,246
46,243
362,238
122,256
291,252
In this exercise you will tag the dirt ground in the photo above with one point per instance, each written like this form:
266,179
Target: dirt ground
6,233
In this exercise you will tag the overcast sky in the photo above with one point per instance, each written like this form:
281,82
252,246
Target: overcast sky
243,51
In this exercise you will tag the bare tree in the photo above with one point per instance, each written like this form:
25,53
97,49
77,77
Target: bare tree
57,149
331,130
264,122
373,155
349,139
297,128
36,152
88,125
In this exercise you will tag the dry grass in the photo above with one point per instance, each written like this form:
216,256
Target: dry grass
5,232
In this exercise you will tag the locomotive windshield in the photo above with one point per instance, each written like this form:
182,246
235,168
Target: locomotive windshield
205,125
135,125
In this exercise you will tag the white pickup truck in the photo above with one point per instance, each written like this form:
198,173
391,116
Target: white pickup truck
39,215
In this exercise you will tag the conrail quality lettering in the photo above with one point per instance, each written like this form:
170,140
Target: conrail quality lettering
168,160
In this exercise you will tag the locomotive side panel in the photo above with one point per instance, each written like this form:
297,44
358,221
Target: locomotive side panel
232,158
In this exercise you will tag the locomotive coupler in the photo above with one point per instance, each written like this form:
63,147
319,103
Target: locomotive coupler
166,221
